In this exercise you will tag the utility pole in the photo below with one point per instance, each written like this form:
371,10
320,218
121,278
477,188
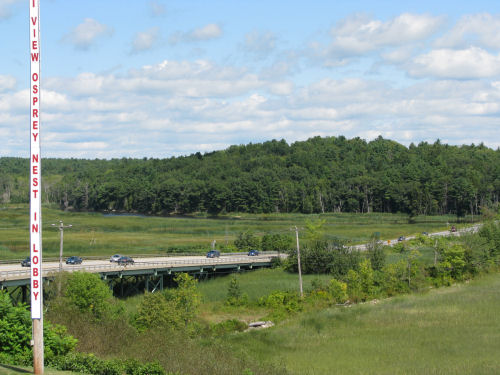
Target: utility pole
61,231
298,263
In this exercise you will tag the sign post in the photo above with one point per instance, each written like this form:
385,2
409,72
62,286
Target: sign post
35,189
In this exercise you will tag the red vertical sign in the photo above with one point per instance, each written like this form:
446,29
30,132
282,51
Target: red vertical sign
35,164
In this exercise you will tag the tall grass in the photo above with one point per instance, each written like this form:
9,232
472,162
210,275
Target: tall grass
453,330
96,234
256,284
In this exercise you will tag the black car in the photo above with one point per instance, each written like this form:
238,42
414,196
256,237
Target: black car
253,253
26,262
125,260
401,238
213,254
74,260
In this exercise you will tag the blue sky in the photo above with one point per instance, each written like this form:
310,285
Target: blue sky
166,78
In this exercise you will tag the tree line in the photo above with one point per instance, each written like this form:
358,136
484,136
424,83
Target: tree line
322,174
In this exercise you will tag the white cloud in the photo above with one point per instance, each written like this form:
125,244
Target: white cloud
261,44
470,63
86,33
175,107
207,32
6,8
481,30
157,9
145,40
7,83
358,35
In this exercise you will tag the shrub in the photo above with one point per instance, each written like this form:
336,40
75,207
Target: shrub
156,311
15,334
392,279
90,364
246,241
228,326
235,297
88,293
338,291
281,303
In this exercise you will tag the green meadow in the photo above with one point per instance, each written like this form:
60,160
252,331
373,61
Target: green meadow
452,330
98,234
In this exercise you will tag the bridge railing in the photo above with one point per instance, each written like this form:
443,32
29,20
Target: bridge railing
138,265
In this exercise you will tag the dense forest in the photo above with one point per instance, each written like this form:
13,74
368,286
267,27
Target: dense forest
331,174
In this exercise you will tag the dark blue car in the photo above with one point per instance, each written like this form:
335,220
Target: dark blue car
253,253
26,262
213,254
125,260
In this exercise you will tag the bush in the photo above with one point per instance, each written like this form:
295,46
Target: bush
228,326
338,291
246,241
281,303
324,257
90,364
84,291
15,334
156,311
235,297
392,279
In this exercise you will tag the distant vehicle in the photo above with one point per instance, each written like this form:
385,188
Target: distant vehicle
425,233
74,260
114,258
253,253
213,254
401,238
453,229
123,260
26,262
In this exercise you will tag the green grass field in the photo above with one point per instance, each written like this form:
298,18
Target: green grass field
454,330
16,370
96,234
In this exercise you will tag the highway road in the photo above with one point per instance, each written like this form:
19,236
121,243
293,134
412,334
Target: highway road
12,271
471,229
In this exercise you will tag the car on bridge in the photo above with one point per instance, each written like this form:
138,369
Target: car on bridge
125,260
213,254
114,258
74,260
26,262
253,253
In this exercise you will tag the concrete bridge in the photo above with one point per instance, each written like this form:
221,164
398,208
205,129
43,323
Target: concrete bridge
149,274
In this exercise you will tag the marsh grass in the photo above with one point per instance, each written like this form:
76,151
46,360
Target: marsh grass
453,330
97,234
256,284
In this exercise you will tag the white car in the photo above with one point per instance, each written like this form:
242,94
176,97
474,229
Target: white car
114,258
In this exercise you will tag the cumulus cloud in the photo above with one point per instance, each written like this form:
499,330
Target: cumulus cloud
467,63
6,8
481,30
157,9
176,107
207,32
145,40
7,83
359,34
261,44
86,33
168,105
